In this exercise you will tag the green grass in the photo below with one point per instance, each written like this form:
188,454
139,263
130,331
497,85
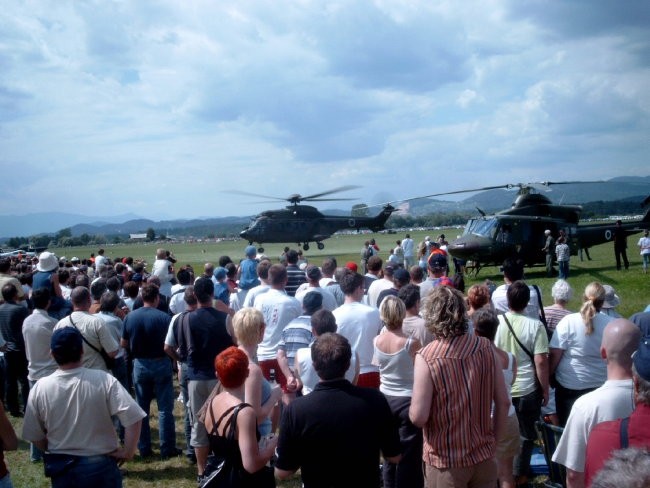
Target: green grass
632,286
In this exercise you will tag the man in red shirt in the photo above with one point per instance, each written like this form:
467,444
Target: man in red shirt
633,431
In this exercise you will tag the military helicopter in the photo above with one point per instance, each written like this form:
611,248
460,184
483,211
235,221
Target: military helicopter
303,224
519,230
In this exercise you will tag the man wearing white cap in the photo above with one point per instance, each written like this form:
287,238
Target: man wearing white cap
47,276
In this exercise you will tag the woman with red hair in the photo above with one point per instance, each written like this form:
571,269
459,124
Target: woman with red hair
236,439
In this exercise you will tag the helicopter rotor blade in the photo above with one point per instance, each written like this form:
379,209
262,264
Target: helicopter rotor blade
249,194
329,192
329,199
297,198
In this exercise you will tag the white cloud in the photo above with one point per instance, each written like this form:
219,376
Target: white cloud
156,107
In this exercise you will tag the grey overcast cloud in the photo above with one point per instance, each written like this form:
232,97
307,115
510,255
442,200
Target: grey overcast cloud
157,107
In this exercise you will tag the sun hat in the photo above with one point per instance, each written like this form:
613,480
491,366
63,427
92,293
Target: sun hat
47,261
611,298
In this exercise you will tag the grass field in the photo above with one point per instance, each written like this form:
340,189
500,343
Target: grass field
632,286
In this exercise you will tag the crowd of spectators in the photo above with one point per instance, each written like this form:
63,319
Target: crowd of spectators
398,367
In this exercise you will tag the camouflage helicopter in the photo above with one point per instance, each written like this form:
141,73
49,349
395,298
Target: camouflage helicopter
519,230
303,224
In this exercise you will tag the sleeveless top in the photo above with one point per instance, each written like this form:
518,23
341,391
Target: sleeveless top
396,371
226,446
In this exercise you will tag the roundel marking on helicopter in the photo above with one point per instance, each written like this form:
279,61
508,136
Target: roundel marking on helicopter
351,222
608,234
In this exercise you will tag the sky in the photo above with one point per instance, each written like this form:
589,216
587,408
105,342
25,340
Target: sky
161,108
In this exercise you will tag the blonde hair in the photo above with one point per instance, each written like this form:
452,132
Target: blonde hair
247,323
444,312
392,312
593,301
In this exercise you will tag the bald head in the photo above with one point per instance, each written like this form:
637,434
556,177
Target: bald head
620,340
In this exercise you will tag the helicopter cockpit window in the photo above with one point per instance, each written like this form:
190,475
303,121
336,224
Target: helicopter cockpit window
485,228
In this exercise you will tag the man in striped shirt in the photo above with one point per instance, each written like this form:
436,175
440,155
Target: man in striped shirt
457,380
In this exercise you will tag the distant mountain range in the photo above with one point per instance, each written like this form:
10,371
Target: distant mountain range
620,188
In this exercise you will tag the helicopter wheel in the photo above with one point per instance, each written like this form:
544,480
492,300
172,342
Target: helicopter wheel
305,246
321,246
260,250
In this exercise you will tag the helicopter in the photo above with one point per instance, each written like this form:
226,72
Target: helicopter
519,230
304,224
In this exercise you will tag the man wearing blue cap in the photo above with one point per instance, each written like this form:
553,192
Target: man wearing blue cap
69,413
248,271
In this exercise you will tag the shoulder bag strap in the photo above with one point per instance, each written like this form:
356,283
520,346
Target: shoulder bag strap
524,348
542,314
82,336
623,433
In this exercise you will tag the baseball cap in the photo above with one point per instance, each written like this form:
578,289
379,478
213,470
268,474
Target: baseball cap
219,273
250,251
401,276
66,339
641,359
437,260
351,266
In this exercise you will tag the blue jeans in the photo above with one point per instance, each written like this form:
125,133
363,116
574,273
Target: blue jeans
35,454
153,378
6,482
187,421
95,471
121,374
564,269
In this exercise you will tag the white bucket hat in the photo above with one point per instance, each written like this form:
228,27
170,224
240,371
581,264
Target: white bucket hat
611,298
47,261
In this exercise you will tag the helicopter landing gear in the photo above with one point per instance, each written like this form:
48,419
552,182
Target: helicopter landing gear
320,246
305,246
260,249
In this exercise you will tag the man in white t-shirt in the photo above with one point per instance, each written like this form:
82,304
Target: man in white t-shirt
407,249
513,270
360,324
314,275
322,321
278,309
263,274
380,284
613,400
